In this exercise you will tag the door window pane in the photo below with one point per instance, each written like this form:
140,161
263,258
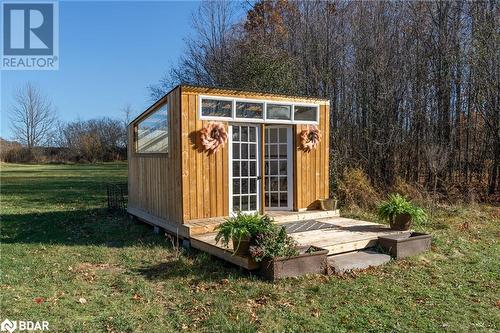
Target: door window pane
236,169
274,184
283,184
283,135
274,200
244,203
253,202
244,186
244,168
236,203
273,151
244,134
283,165
306,113
283,152
253,168
253,153
253,185
216,108
283,199
273,135
236,150
249,110
252,134
244,150
275,111
274,168
236,133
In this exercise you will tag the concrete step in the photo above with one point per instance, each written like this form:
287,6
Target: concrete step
358,260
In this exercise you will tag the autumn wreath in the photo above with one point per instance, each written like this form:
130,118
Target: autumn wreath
310,138
213,136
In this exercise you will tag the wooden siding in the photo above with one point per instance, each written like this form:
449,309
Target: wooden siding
205,179
311,168
154,180
204,175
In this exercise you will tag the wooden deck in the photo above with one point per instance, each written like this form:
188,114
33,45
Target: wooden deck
345,235
203,226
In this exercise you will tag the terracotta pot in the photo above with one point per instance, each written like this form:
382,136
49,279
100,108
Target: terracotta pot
241,248
401,222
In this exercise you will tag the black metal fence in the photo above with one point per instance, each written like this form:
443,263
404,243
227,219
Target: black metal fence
117,196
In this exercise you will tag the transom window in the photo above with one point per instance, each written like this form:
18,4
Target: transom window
234,109
152,132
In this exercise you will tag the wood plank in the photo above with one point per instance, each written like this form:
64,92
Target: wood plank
192,159
227,255
171,226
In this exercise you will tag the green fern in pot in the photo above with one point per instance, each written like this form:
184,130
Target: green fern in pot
240,229
400,212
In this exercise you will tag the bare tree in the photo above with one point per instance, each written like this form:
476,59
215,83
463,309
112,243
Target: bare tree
128,114
414,86
208,53
33,117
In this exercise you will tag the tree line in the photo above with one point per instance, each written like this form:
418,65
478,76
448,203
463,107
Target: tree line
414,86
41,137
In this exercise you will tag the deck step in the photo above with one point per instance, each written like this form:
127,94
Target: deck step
302,216
359,260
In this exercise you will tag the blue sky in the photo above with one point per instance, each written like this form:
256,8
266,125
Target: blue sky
109,53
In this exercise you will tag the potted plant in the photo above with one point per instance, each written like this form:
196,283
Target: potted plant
328,204
240,229
281,256
400,212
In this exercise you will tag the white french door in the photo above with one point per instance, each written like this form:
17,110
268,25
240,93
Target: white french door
244,168
278,168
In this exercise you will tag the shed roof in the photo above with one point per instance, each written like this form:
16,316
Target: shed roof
200,89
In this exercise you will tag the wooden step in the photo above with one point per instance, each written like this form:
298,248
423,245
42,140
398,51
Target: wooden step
283,217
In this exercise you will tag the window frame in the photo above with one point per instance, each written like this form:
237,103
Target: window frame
233,117
136,131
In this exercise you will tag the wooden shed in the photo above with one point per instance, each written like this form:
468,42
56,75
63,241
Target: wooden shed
175,181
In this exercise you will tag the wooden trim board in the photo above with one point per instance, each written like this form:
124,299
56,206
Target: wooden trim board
174,228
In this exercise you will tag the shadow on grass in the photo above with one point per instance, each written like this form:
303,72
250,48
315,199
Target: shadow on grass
199,265
77,227
98,227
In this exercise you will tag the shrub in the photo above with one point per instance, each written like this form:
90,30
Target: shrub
355,190
273,244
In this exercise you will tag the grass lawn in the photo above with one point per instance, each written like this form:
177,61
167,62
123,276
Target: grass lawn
66,260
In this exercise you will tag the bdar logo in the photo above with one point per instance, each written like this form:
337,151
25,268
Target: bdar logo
8,325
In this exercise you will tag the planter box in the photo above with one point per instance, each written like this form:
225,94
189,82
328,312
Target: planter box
304,263
328,204
406,244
